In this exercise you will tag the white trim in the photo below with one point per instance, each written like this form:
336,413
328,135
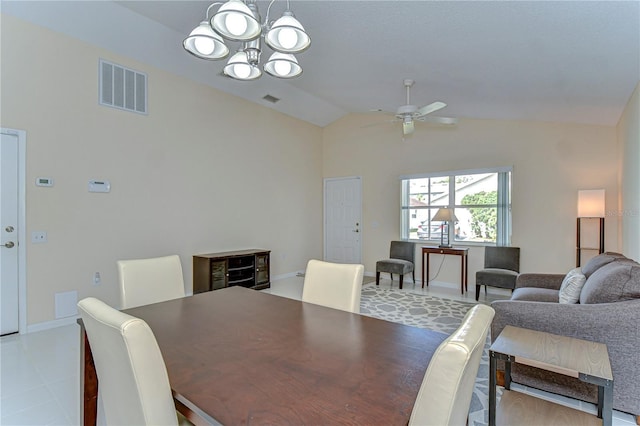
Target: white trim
285,276
500,169
48,325
22,226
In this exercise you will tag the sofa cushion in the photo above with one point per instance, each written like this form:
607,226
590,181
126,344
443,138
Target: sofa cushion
535,294
597,262
614,282
572,286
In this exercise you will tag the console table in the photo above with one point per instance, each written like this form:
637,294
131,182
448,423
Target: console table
584,360
456,251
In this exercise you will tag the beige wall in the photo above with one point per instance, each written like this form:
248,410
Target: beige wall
629,141
206,171
203,172
551,162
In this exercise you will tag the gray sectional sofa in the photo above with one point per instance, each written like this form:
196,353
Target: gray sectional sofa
608,311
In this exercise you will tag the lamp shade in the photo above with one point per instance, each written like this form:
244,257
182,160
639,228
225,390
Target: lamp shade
204,43
287,35
235,21
591,203
239,68
283,65
445,214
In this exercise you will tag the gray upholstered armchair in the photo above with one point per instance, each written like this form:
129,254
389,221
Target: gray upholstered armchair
501,268
401,261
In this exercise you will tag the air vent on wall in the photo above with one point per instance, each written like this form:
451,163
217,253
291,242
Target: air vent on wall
122,88
270,98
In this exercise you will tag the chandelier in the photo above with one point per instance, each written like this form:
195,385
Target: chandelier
239,21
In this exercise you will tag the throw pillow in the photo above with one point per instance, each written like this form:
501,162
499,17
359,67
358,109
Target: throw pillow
615,282
572,286
596,263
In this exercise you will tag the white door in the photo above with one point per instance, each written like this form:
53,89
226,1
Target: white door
343,220
9,233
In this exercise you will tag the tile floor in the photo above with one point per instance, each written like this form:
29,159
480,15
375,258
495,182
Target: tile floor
40,370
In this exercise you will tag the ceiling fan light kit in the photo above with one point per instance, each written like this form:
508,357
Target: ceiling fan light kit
240,21
408,114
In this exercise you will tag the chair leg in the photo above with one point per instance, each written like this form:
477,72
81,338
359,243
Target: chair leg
391,276
377,278
478,291
401,277
413,274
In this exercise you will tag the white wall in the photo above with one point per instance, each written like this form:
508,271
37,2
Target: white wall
551,162
203,172
629,141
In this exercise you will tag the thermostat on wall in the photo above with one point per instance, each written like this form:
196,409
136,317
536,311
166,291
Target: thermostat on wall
44,181
99,186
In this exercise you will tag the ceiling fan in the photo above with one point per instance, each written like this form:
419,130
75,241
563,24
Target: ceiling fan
408,114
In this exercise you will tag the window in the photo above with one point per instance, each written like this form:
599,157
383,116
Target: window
481,200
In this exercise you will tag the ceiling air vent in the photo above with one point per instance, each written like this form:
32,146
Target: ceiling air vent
122,88
270,98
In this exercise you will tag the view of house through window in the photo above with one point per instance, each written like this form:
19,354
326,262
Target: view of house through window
480,199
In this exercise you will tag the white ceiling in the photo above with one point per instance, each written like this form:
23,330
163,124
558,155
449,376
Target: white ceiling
562,61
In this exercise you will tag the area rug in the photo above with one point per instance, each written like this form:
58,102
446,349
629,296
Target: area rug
433,313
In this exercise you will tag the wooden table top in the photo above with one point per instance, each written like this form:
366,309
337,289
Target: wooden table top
551,352
241,356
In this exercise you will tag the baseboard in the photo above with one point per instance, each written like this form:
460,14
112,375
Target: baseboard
287,275
48,325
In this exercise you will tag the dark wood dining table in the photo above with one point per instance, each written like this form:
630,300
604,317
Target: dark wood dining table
237,356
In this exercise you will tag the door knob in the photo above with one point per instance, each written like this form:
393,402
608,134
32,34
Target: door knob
10,244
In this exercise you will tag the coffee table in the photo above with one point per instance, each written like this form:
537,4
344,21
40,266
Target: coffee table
584,360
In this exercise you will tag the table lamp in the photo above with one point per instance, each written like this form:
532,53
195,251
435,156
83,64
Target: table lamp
445,215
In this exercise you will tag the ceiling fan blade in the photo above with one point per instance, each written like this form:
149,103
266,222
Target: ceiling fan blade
450,121
407,127
427,109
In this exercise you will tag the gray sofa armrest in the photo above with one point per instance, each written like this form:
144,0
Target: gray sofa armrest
614,324
550,281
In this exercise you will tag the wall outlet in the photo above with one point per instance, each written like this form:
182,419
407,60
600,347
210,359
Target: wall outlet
39,237
97,279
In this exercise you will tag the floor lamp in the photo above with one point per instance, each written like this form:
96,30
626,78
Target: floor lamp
590,206
444,215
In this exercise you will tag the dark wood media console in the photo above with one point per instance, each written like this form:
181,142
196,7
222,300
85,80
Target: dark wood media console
246,268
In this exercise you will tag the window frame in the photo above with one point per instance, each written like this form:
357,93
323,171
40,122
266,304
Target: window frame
503,204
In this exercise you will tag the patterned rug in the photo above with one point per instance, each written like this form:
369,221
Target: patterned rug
433,313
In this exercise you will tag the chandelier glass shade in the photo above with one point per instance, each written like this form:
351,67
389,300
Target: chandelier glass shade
239,21
206,43
283,65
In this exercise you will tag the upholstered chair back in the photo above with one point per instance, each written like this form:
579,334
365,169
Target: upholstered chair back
402,250
335,285
502,258
147,281
132,376
445,395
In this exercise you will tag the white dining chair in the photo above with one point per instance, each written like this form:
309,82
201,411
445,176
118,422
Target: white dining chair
335,285
147,281
445,394
132,377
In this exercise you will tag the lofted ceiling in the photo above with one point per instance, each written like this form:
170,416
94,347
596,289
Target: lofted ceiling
559,61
